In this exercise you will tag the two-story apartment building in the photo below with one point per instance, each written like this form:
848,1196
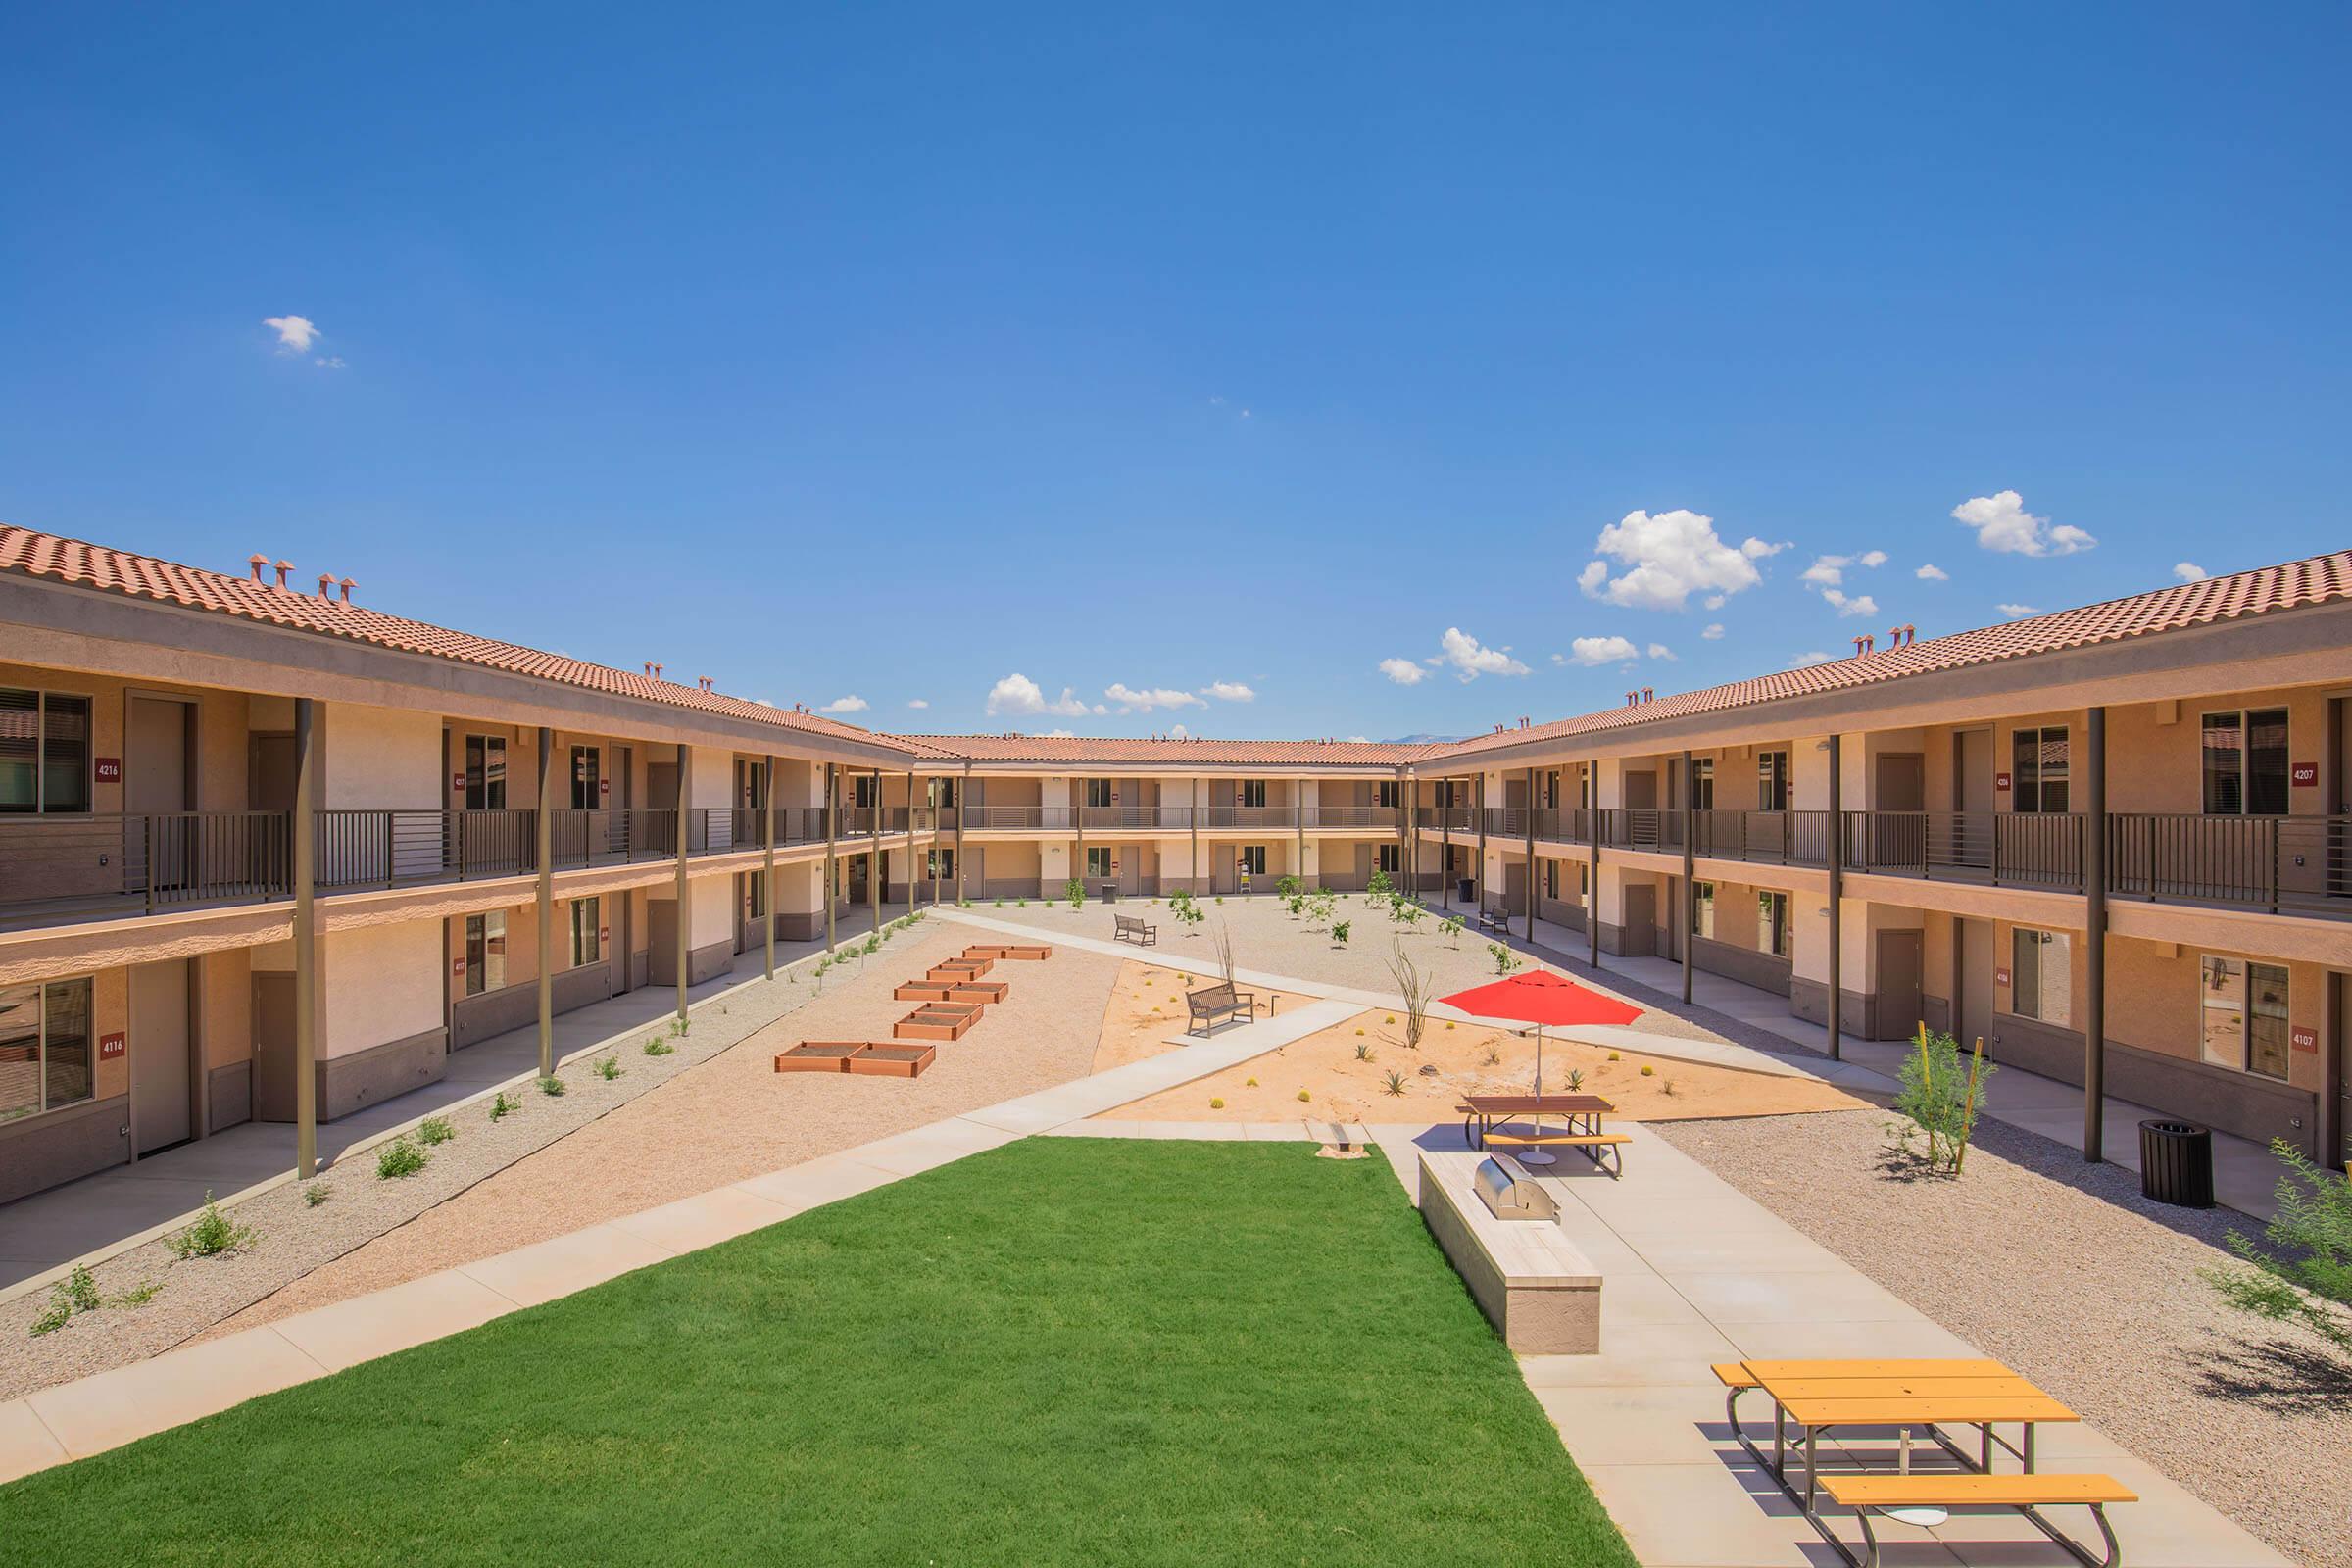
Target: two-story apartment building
269,853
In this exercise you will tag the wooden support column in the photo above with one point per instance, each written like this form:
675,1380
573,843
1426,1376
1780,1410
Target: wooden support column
768,867
1837,865
873,853
543,837
1412,826
832,846
305,828
2094,938
685,842
1481,808
1299,820
1445,842
1593,892
1078,814
1690,869
1197,809
911,878
964,803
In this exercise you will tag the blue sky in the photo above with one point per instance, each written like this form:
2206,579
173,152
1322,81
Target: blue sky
893,354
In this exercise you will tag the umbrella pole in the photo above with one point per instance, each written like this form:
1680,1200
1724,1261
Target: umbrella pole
1537,1154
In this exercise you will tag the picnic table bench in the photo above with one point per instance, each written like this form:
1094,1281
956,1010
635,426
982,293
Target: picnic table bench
1210,1003
1491,1121
1816,1396
1127,928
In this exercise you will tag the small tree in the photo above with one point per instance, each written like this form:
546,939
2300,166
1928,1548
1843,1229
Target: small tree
2308,1278
1339,932
1452,925
1414,987
1505,961
1285,888
1941,1096
1074,891
1319,907
1185,907
1379,888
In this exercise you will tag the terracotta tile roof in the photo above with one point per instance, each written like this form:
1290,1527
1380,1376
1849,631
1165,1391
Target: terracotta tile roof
2263,591
42,555
1171,753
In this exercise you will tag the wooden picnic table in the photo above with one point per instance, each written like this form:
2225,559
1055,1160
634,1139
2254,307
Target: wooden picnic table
1487,1118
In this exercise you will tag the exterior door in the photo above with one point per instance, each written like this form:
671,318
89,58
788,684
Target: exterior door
1974,1018
274,1046
1899,795
1902,967
1970,832
1638,936
163,1079
155,786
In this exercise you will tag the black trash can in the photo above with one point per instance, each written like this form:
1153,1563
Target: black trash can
1110,892
2176,1163
1465,891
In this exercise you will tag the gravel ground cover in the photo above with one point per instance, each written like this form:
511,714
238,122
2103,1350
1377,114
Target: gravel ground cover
1266,937
1146,1010
735,1116
2065,1272
292,1238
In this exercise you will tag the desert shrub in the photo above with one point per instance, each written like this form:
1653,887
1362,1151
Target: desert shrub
1505,961
2305,1274
1339,932
1074,891
1217,1103
1285,888
501,1105
551,1086
1380,888
315,1194
210,1235
1942,1092
1493,1057
1648,1071
1363,1053
141,1293
1452,928
1576,1079
1393,1081
659,1048
398,1159
435,1130
1304,1097
608,1066
1415,987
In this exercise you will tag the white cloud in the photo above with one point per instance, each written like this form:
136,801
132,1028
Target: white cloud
1133,701
1714,633
1661,651
1360,740
1016,693
1229,691
918,701
1827,571
1808,661
1858,604
1559,658
295,333
1403,672
1874,558
1177,732
333,362
1716,601
1470,660
2017,611
2189,571
1591,650
2003,525
844,705
1669,556
1932,575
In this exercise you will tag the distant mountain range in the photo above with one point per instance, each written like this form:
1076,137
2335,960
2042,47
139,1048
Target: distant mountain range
1422,740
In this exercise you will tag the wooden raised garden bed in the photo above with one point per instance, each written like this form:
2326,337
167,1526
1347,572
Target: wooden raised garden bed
926,991
820,1055
937,1020
1008,950
962,968
892,1061
978,990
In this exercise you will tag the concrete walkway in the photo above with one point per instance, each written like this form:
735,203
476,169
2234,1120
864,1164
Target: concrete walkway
2245,1176
77,1419
1695,1272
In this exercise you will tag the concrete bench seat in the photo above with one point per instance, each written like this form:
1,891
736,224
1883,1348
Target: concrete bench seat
1538,1288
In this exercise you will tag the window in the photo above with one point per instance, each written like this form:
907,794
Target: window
942,792
1771,922
45,1052
1254,856
865,790
1389,789
1098,861
1387,858
1098,792
485,953
1448,793
587,941
2039,770
1703,784
1772,781
587,778
1551,790
2041,975
2241,1016
1254,792
1703,908
44,752
485,772
942,866
2245,762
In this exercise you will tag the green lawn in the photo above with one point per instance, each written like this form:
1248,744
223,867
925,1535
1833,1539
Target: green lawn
1062,1351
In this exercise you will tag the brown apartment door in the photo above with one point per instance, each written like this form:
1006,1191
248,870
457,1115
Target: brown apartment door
274,1046
1972,986
1900,796
1970,832
1902,961
163,1077
1638,935
155,788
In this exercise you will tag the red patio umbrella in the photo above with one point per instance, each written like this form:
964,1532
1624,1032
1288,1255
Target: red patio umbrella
1540,998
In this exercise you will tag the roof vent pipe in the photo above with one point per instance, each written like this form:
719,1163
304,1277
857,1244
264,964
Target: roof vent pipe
326,585
258,561
1649,695
347,585
284,567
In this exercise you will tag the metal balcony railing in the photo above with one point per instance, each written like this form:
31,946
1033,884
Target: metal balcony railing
362,849
1385,817
144,861
1015,818
2000,849
2286,865
613,837
1265,816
